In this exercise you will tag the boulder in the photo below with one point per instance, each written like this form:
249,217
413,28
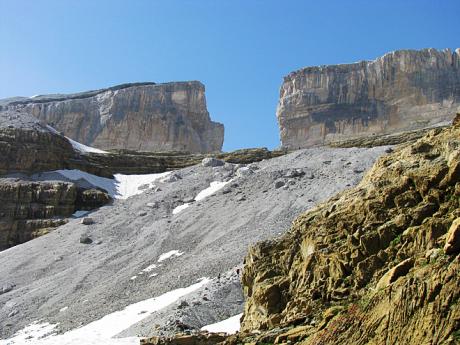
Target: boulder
244,172
85,239
212,162
152,204
279,184
7,288
291,173
171,178
87,221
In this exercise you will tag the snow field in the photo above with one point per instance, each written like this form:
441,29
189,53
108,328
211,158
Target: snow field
102,331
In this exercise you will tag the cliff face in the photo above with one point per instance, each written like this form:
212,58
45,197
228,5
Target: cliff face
402,90
376,264
145,117
29,209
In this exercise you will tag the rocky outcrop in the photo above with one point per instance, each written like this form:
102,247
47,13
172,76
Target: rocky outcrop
368,266
30,209
402,90
383,139
26,146
203,338
142,116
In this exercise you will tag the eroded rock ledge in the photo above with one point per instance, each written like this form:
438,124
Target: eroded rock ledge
400,91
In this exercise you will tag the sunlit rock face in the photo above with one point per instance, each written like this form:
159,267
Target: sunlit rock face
143,116
402,90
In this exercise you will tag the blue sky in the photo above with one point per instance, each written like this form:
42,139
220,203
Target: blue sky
239,49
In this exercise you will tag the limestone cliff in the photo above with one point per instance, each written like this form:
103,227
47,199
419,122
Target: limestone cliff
402,90
377,264
142,116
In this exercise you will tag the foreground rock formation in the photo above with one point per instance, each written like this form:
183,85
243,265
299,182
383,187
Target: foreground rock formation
376,264
142,116
402,90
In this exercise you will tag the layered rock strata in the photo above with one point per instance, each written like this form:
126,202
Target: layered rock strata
30,209
142,116
402,90
26,146
131,162
371,264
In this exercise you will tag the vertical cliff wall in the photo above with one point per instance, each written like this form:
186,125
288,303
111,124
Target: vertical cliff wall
401,90
142,116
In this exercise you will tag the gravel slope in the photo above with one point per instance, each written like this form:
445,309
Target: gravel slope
92,280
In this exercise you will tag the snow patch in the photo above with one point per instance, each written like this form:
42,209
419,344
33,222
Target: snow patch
79,214
150,268
120,187
83,148
76,145
213,187
180,208
229,326
102,331
169,254
34,331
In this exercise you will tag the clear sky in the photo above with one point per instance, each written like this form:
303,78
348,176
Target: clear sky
240,49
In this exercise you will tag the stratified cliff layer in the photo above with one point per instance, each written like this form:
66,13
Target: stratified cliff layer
402,90
29,209
378,264
26,146
142,116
